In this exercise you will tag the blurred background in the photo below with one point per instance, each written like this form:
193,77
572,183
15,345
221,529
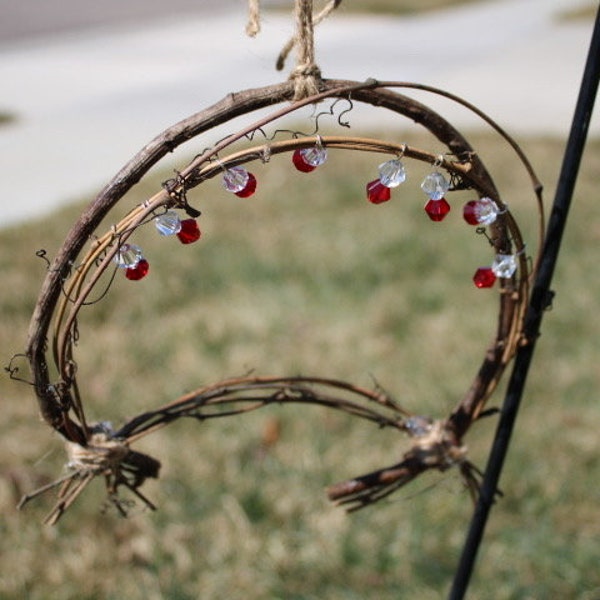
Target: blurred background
273,286
85,85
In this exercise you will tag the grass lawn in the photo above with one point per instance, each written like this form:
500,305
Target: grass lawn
384,7
585,11
6,118
306,278
401,7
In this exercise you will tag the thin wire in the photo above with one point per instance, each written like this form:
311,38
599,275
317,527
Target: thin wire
539,302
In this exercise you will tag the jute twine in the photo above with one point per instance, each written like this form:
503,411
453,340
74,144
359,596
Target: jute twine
306,74
253,25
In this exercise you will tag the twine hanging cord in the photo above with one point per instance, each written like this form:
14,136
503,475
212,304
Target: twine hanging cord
253,25
306,73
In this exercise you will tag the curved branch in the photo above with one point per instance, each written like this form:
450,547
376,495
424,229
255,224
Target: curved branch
54,408
438,446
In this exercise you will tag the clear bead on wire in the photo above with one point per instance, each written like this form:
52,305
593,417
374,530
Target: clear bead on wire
435,185
392,173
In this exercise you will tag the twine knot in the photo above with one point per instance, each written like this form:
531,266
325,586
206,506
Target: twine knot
306,80
101,453
306,75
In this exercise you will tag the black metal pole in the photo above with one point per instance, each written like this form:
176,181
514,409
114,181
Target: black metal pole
540,298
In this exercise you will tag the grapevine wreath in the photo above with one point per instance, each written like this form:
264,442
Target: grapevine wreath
92,252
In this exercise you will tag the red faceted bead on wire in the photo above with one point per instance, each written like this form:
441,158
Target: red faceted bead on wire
437,209
480,212
139,271
249,189
308,159
484,277
238,181
300,162
470,213
189,232
377,193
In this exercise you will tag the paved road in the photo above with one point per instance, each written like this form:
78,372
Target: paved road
27,19
90,88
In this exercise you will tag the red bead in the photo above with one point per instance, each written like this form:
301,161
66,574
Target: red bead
377,192
480,212
249,189
437,209
139,271
470,213
484,277
300,163
189,232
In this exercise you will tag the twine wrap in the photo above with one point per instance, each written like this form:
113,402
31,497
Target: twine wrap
306,74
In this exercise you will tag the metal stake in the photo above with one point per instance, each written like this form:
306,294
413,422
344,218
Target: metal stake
540,300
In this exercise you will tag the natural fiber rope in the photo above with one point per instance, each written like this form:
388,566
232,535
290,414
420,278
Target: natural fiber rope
306,73
330,7
253,25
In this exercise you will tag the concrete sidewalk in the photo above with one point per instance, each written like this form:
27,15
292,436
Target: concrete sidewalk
87,100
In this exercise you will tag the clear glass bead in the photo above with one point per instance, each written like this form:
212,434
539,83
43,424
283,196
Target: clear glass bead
105,427
504,265
235,179
435,185
168,223
314,156
418,426
392,173
486,211
128,256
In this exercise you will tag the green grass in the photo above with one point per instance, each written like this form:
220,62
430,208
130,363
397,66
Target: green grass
586,12
6,118
404,7
306,277
386,7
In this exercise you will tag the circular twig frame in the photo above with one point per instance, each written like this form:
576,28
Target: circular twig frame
76,272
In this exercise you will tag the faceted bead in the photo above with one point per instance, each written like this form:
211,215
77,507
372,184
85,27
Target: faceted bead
392,173
139,271
315,156
504,265
435,185
480,212
249,188
377,193
168,223
484,277
190,232
300,162
437,209
308,159
418,426
235,179
128,256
